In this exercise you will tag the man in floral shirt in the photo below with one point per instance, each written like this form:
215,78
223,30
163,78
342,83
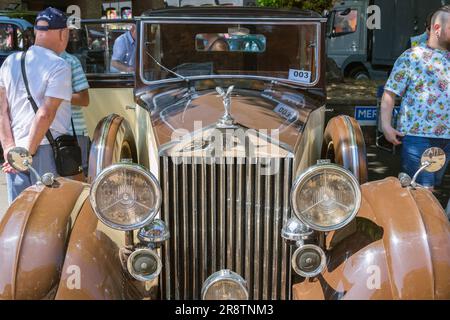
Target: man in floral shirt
421,76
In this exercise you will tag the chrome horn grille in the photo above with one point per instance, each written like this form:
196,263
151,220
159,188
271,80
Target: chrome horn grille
225,216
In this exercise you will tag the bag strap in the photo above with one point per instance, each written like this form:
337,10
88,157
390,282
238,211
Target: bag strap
48,134
73,127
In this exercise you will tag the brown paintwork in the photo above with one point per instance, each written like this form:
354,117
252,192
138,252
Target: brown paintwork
33,238
402,232
94,249
249,108
342,136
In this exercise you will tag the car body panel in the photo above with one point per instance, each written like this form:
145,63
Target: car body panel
92,267
33,237
397,248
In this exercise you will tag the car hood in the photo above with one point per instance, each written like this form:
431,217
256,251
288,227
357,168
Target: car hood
183,117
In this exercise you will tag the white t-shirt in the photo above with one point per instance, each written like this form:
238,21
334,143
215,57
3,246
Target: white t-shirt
48,76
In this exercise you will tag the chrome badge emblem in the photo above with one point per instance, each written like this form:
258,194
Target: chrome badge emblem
226,121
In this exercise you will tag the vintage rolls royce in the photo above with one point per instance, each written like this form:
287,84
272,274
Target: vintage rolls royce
213,175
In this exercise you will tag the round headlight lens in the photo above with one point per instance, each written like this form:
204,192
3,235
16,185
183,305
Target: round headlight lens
225,285
308,260
326,197
125,196
144,265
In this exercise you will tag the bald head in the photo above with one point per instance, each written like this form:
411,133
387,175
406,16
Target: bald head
55,40
440,29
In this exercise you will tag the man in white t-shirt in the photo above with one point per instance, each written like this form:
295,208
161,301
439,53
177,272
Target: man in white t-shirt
49,78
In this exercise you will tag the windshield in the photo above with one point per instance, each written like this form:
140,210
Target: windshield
283,51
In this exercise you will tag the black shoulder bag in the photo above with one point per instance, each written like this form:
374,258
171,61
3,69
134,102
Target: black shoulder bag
66,150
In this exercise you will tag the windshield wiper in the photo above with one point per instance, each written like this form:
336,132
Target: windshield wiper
167,69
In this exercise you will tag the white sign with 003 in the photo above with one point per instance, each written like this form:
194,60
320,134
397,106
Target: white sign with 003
286,112
302,76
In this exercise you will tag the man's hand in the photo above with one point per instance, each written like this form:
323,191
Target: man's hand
387,106
392,135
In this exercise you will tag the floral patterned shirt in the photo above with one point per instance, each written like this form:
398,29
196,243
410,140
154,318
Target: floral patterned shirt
421,76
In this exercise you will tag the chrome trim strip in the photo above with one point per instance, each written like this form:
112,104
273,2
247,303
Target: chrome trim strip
168,221
231,221
222,216
258,230
227,20
353,145
185,230
176,270
102,141
194,232
204,229
268,226
213,219
285,265
240,198
248,274
276,232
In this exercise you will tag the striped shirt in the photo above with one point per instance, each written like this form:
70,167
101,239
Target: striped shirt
79,83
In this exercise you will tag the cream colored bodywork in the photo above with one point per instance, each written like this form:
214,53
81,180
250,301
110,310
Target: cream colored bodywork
104,101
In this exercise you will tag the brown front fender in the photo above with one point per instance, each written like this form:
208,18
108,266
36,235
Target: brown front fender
33,239
93,268
398,247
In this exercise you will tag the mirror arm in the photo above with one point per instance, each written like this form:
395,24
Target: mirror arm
35,173
423,167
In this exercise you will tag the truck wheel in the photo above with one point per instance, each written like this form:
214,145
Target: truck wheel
344,145
113,142
359,73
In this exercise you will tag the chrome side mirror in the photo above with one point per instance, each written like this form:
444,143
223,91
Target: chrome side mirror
433,160
21,160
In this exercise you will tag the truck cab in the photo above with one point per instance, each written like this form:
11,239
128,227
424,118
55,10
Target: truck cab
347,38
364,52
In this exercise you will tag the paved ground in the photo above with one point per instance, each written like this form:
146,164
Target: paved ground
381,165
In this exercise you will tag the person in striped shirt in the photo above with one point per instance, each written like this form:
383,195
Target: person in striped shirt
80,98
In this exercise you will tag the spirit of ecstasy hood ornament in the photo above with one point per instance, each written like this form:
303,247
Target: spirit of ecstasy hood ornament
226,121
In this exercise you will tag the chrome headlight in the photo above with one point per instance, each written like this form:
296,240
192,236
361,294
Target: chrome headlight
308,260
144,265
326,197
125,196
225,285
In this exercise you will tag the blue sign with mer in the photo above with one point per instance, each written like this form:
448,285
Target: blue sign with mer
367,116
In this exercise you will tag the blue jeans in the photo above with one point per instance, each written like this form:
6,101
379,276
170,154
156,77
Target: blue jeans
85,144
43,162
412,149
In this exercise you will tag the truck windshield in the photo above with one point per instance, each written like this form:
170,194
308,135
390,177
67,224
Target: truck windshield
199,50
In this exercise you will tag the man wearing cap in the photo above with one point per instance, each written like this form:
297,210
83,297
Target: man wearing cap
49,78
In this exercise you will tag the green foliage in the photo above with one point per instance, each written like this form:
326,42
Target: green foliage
315,5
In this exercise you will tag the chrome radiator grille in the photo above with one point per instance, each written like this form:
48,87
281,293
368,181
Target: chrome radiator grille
225,216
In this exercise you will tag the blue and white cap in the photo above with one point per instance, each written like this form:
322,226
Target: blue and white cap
56,19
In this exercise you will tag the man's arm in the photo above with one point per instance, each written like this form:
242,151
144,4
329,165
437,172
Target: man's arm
42,121
387,107
80,99
6,136
121,66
